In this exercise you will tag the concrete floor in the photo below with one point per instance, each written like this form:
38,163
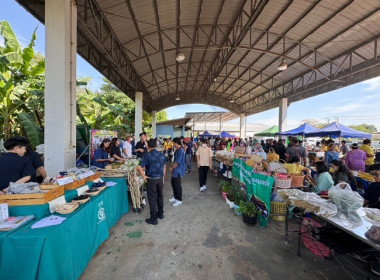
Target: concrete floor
203,239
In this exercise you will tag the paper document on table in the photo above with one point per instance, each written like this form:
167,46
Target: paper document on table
48,221
59,200
110,184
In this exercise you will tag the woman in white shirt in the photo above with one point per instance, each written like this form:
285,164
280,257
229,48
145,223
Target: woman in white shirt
204,163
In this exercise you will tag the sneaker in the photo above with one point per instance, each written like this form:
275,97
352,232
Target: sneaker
188,171
375,268
201,189
172,200
177,203
160,216
151,222
204,187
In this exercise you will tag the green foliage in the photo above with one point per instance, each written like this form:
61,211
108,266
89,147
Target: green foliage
249,209
33,131
368,128
226,186
238,195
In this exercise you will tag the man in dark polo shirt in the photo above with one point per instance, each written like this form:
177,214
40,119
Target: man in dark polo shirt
14,167
155,169
140,147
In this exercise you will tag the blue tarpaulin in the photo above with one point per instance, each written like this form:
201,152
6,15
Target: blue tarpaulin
338,130
227,135
301,130
206,134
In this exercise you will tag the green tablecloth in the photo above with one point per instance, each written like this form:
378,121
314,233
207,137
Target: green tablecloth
40,211
63,251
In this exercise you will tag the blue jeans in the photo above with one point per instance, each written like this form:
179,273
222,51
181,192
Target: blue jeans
188,161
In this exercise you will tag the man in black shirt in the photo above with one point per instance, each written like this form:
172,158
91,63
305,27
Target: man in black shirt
280,148
141,146
14,167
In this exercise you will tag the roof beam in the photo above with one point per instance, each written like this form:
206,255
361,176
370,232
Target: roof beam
224,55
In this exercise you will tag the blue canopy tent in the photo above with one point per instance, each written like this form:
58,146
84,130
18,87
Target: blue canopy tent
206,134
301,130
338,130
226,135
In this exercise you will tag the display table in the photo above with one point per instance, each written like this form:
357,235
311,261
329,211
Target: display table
63,251
40,211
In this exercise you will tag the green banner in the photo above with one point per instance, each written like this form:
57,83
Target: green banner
258,185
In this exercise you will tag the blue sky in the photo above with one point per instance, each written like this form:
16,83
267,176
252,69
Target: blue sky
355,104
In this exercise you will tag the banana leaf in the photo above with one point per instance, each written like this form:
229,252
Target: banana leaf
34,133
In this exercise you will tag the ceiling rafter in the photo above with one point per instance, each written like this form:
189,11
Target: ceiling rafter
209,38
311,32
224,55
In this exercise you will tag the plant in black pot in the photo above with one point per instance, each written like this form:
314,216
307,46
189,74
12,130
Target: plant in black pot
250,212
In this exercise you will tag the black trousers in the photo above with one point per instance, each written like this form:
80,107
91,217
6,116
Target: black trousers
203,170
155,197
177,188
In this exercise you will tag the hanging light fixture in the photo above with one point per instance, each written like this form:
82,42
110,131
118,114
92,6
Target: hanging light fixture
180,57
283,65
232,100
177,98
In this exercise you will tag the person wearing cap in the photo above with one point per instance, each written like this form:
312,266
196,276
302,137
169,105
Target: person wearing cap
141,146
178,170
127,146
366,147
355,159
155,169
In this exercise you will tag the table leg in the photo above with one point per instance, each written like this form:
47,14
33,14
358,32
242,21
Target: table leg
299,235
287,226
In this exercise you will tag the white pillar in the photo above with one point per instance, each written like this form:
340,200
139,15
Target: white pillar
242,125
283,112
138,113
60,85
220,125
154,128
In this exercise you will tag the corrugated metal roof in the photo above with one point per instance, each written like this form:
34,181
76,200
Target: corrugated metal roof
326,44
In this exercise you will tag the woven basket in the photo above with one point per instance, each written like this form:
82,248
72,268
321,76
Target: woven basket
297,179
272,156
93,193
66,208
282,182
81,201
278,208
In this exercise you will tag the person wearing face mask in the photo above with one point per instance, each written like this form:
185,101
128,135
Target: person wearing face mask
204,163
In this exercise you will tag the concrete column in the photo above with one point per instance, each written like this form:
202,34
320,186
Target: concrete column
283,115
220,124
60,85
242,125
138,113
154,129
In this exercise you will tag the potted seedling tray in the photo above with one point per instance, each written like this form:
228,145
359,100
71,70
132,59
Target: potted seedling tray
32,198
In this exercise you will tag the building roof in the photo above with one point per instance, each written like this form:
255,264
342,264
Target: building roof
232,49
210,117
176,122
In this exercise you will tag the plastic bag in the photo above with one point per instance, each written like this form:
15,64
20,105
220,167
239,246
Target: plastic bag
345,199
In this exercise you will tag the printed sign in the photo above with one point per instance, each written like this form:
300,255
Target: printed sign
255,184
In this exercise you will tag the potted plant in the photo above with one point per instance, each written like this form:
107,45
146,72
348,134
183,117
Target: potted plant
230,197
249,212
238,197
226,186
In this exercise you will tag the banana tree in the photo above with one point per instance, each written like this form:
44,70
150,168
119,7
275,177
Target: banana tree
21,75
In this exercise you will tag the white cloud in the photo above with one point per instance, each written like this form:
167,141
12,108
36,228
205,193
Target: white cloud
372,84
338,109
